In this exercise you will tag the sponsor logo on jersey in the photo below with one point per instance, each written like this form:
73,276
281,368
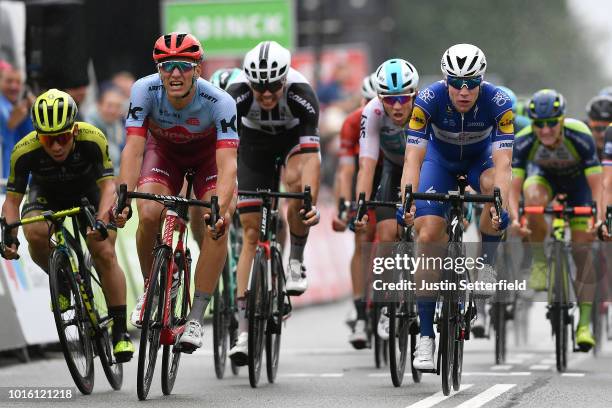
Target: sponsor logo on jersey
505,145
608,148
301,101
133,111
472,124
426,95
418,120
158,170
193,121
155,87
500,98
377,111
228,125
207,96
243,97
506,123
362,126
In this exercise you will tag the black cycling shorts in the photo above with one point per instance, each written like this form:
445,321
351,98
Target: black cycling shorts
388,189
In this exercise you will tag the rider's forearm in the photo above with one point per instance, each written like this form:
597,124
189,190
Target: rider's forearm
10,208
344,180
515,196
411,172
365,176
107,198
311,173
607,186
595,183
503,173
131,162
227,170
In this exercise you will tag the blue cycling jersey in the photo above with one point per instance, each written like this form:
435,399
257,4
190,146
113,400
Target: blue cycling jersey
460,136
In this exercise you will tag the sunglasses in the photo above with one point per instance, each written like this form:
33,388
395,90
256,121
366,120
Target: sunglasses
267,86
393,99
599,129
541,123
458,83
63,139
183,66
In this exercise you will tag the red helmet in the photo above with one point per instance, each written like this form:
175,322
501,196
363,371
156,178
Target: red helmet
177,45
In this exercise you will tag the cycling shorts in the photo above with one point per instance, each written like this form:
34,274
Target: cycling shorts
388,189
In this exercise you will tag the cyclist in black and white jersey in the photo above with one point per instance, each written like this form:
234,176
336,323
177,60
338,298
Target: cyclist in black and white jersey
278,115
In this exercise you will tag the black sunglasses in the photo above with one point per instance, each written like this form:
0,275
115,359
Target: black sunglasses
267,86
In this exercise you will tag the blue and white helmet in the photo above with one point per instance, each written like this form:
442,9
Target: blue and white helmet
396,76
463,60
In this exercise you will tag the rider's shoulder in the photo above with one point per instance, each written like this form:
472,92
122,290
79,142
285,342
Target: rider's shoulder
432,93
27,144
576,126
210,94
373,108
149,83
524,132
296,77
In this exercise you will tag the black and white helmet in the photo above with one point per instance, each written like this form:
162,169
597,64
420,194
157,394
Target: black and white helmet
367,87
463,60
267,62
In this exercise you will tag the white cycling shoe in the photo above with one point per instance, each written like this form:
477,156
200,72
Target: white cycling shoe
424,354
296,278
239,353
382,329
359,337
135,316
191,338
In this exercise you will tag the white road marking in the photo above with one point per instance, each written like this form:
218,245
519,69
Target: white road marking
437,398
331,375
486,396
540,367
572,375
497,374
548,361
502,367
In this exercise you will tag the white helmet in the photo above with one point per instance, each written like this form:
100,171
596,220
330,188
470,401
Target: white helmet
367,87
396,76
267,62
463,60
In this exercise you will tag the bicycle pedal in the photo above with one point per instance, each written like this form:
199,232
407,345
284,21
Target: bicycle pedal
429,370
184,348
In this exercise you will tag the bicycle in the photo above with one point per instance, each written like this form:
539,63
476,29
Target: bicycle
84,326
402,313
224,322
560,307
267,301
167,289
455,307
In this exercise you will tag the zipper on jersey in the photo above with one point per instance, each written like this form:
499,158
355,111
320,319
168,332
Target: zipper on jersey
461,139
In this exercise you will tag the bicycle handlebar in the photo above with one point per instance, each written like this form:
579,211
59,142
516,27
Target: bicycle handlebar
306,196
558,209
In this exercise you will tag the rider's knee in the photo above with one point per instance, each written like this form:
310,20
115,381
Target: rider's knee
36,236
148,214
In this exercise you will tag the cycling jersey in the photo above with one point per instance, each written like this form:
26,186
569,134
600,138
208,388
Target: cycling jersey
87,164
297,109
458,136
379,133
349,137
575,155
607,153
181,139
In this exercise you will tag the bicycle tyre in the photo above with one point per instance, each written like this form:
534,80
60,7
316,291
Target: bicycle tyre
60,271
275,322
220,322
416,374
499,316
103,339
380,345
558,310
398,341
257,308
151,324
179,307
447,342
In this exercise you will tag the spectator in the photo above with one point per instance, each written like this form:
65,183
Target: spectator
15,107
124,81
79,94
108,117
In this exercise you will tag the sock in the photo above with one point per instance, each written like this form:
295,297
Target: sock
118,313
426,316
200,303
297,247
489,247
243,323
585,314
360,307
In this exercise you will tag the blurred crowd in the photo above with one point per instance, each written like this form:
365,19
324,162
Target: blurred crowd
104,106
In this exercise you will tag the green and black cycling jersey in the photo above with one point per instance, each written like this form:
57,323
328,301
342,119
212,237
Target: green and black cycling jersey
87,164
574,156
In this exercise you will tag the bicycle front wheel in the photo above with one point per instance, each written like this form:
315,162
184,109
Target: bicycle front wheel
275,322
559,307
151,323
179,307
257,309
221,321
72,324
398,341
499,324
447,345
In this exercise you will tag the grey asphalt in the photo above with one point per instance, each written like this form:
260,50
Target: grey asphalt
318,368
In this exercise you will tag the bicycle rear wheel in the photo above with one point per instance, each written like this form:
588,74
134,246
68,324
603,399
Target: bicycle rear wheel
257,309
414,333
103,339
72,324
398,341
275,322
447,343
179,307
151,323
221,322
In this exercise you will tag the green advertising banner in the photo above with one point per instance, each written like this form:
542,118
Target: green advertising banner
232,27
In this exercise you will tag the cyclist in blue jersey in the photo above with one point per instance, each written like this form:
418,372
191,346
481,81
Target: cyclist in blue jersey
557,155
520,121
599,115
459,126
607,178
178,121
